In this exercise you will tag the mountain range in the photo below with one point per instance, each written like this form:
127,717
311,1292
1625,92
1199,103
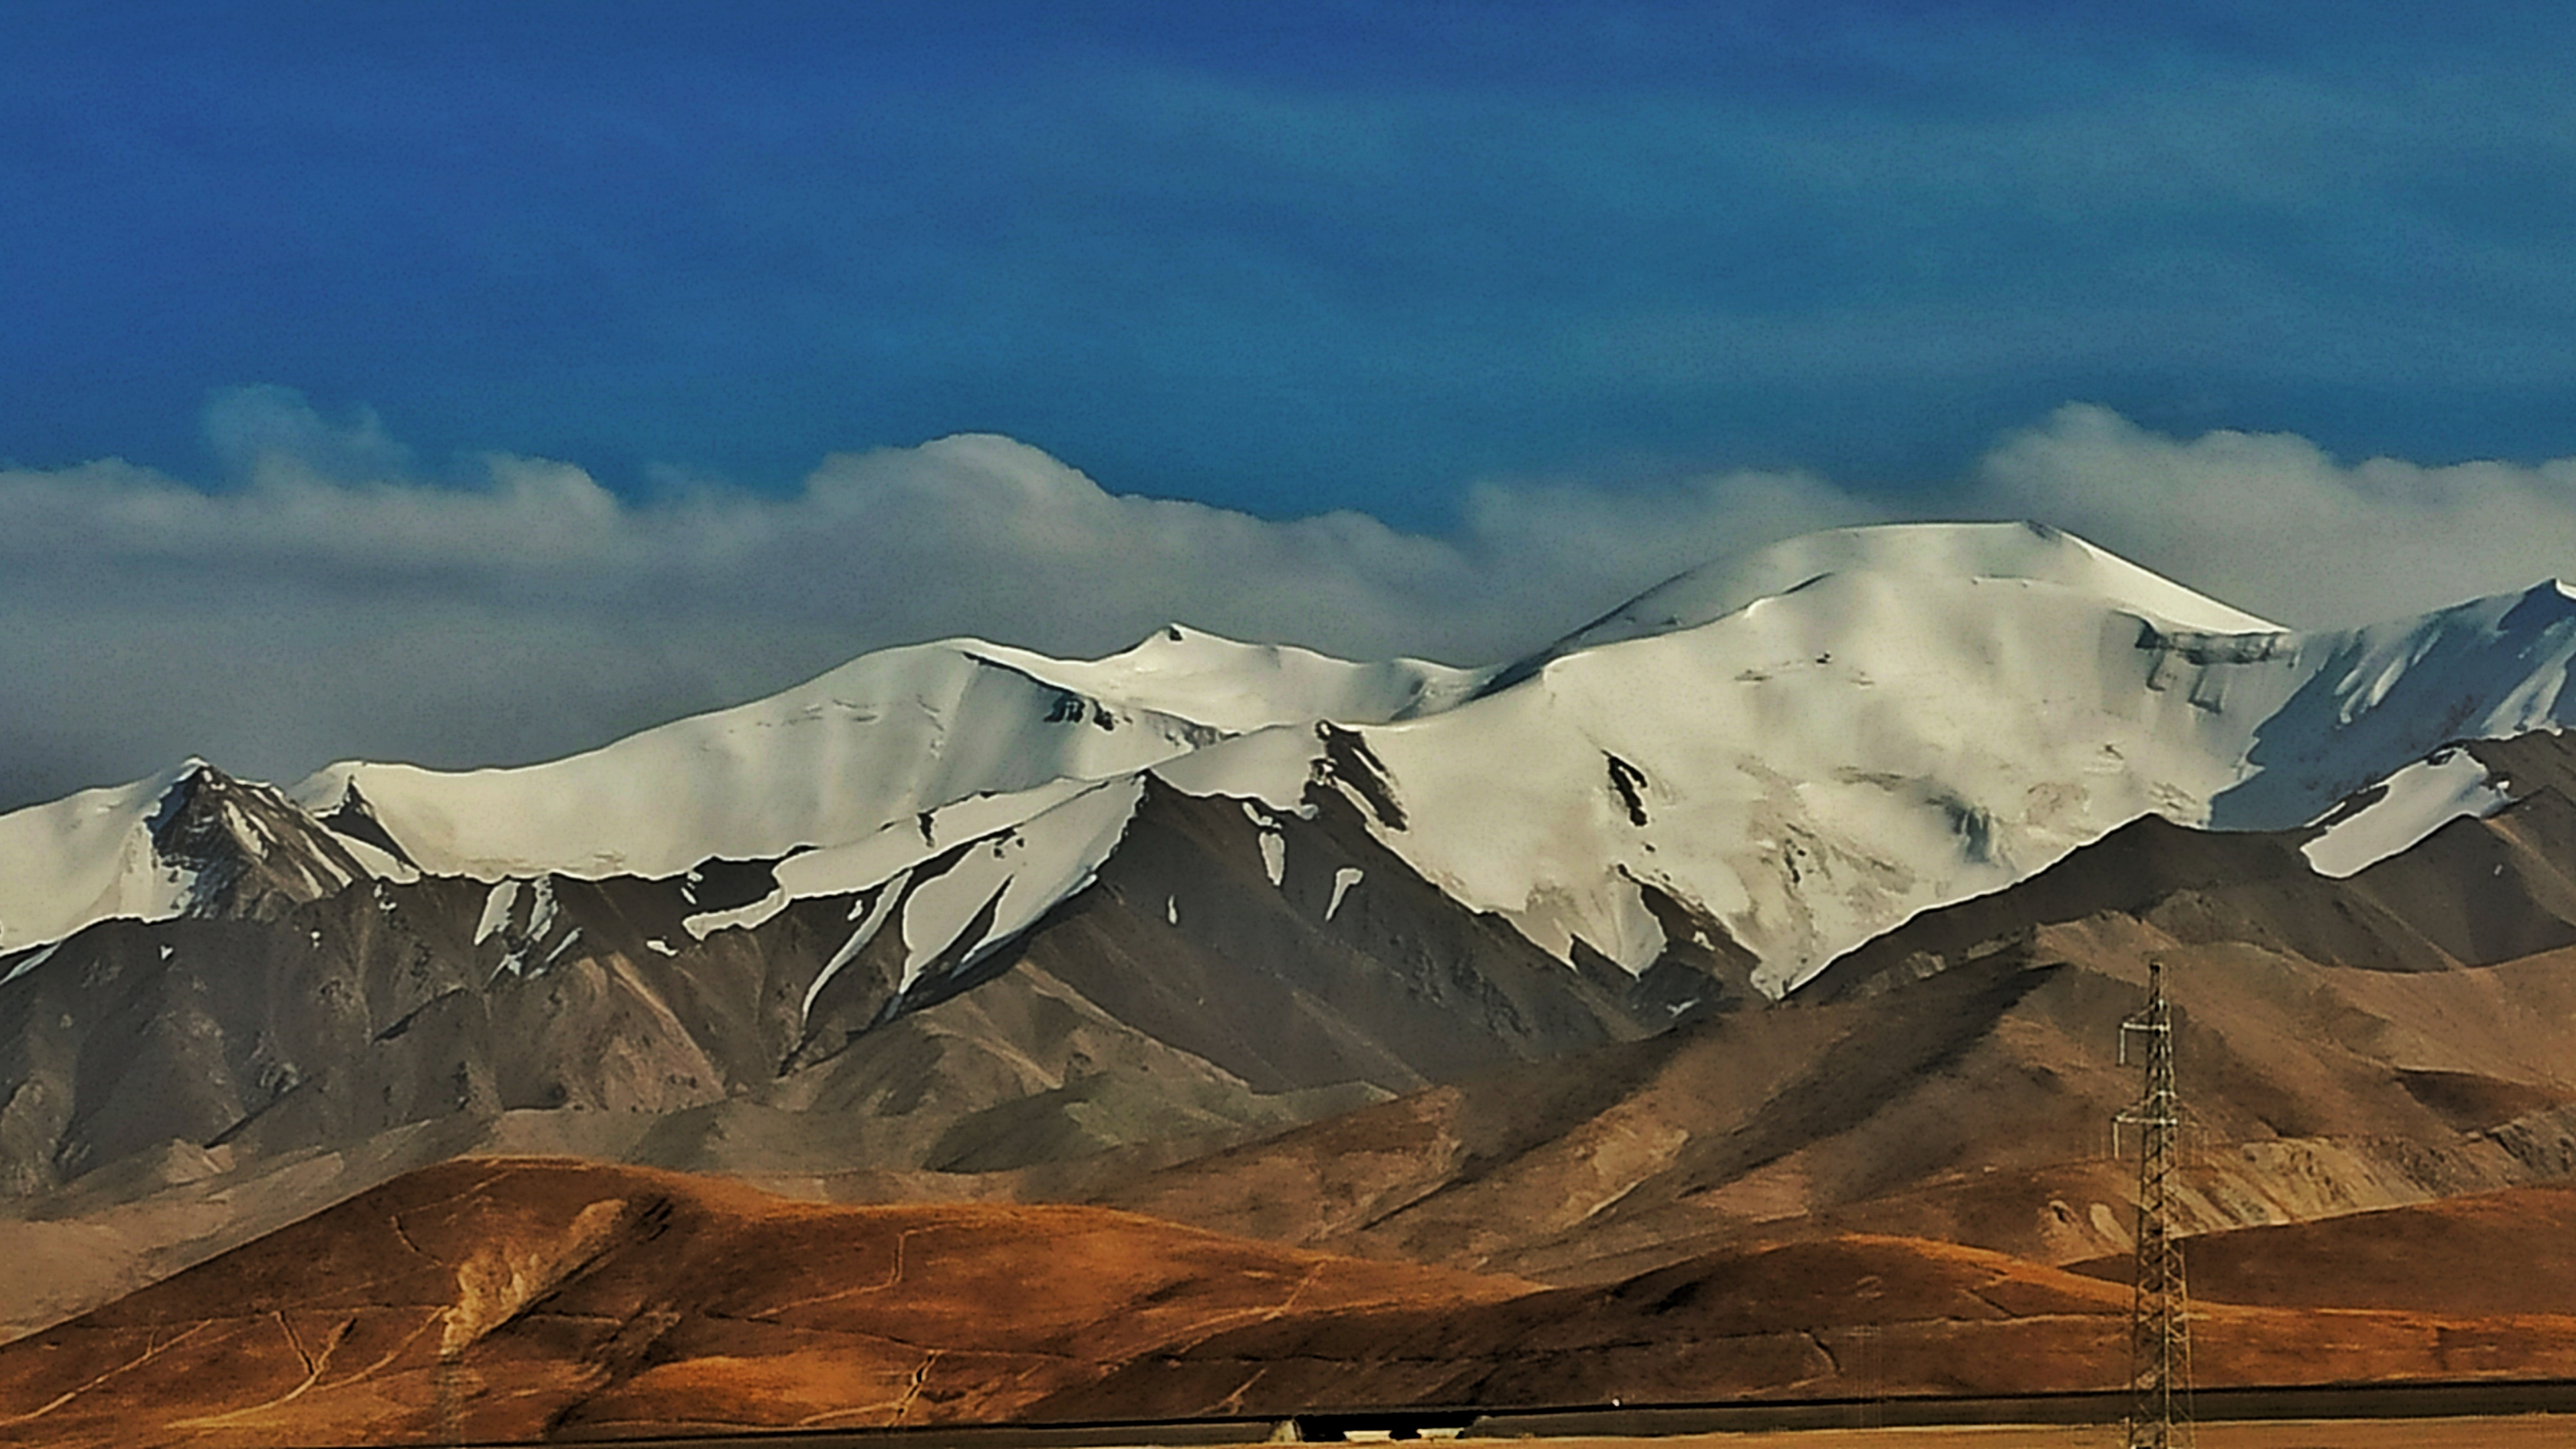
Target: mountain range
1790,907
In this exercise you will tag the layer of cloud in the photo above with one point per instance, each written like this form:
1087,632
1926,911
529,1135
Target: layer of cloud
2271,523
329,598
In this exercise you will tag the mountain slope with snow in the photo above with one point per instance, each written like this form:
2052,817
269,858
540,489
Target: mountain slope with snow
190,842
2027,551
1794,750
868,752
1819,763
875,742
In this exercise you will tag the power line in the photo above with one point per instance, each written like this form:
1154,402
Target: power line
2159,1318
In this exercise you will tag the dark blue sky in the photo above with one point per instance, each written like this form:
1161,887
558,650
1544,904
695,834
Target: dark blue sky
1286,258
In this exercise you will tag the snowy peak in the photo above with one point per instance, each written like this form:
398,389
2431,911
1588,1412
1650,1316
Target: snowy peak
244,849
1799,748
872,744
869,747
356,822
2029,552
192,841
2355,705
1811,752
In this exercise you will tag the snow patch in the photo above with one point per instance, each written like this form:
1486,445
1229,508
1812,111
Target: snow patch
863,864
998,886
2412,804
871,912
1273,845
1343,879
496,910
707,923
1271,766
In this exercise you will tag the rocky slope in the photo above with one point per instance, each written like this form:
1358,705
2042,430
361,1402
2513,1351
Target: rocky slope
1183,966
2389,1037
1230,971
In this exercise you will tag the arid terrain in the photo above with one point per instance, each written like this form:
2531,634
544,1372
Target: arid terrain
511,1299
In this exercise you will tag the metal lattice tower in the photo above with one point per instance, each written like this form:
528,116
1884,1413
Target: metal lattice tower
2159,1327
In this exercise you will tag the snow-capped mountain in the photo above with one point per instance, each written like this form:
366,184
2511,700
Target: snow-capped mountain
959,908
1946,710
891,742
1798,748
190,842
873,744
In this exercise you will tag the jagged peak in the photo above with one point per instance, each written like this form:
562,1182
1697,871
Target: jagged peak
355,818
183,801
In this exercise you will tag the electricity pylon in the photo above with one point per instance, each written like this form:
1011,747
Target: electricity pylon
2159,1327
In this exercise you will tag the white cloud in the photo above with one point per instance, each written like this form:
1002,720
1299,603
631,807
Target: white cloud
2271,523
334,601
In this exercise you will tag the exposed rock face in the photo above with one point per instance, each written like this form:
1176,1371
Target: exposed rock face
1231,970
2475,892
1348,967
251,851
2389,1038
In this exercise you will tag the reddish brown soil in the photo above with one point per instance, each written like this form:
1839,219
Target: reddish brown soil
2488,1253
519,1299
530,1298
1827,1318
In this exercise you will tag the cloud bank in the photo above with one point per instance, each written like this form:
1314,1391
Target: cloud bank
332,597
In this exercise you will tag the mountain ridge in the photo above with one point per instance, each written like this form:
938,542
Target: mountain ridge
1789,945
1795,854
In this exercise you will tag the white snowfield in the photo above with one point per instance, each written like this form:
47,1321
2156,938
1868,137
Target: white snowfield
1812,743
870,744
1946,710
2031,552
84,858
2411,804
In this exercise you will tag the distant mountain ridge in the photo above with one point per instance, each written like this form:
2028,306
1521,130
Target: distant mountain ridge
957,912
1804,746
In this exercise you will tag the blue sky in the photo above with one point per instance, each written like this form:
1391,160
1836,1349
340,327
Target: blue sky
1312,256
1512,280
